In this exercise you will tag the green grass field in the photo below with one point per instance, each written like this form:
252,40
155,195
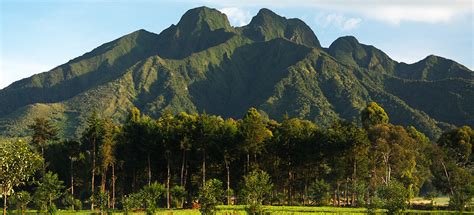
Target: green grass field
240,210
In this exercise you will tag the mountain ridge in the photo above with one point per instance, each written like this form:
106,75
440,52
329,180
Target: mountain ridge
275,64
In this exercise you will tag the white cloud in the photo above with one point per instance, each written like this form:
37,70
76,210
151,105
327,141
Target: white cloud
237,16
339,21
389,11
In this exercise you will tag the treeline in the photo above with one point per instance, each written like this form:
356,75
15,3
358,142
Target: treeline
179,159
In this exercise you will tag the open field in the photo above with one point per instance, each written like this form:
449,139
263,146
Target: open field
240,210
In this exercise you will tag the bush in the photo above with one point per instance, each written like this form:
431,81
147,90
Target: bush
257,187
178,194
319,192
394,197
131,202
70,202
146,198
151,194
211,195
21,200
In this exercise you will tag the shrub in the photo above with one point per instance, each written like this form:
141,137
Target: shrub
394,197
257,187
319,192
210,195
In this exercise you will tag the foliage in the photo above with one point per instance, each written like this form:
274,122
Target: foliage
319,192
18,164
132,201
150,195
373,114
394,197
178,194
49,189
257,187
70,202
211,195
21,200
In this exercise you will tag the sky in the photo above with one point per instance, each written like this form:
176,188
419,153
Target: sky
38,35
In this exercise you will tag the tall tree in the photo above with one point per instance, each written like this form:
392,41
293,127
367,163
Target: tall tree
43,133
18,164
205,136
254,132
90,139
166,130
228,149
107,151
73,153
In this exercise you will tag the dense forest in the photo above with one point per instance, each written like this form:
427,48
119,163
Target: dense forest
184,160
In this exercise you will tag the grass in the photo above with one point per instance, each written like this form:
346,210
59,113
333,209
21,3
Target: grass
438,201
240,210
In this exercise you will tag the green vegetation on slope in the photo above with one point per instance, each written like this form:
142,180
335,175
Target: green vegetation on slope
203,64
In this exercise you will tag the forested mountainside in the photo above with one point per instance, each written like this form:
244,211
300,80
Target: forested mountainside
275,64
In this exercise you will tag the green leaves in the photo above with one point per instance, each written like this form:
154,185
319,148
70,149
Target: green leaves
257,187
18,164
211,195
372,115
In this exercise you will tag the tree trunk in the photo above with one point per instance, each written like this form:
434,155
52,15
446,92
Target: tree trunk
43,163
185,175
103,180
305,194
183,164
354,176
4,201
228,182
168,177
72,180
346,197
290,188
203,168
248,162
93,174
338,194
149,168
113,186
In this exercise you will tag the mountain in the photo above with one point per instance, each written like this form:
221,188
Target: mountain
203,64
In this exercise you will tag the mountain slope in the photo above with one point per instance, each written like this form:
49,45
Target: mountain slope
275,64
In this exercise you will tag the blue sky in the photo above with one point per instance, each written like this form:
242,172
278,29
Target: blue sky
37,35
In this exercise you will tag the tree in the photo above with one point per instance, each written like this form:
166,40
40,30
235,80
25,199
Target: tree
452,166
257,187
459,144
178,194
228,149
107,154
210,195
254,133
394,197
49,189
21,200
151,194
319,192
73,153
90,139
18,163
372,115
43,133
291,139
207,128
166,126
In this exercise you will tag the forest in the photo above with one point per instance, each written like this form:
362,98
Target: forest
183,160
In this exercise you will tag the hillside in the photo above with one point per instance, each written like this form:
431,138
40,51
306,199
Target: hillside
203,64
